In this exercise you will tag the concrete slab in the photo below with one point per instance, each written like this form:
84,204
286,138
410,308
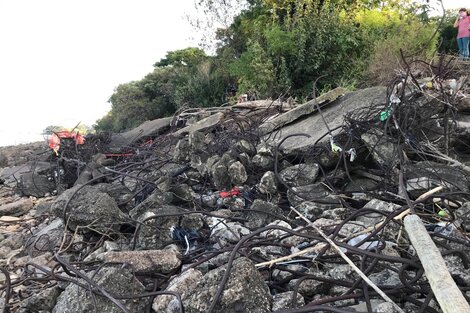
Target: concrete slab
333,114
301,110
146,129
201,125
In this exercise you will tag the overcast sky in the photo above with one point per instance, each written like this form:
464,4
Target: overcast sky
60,60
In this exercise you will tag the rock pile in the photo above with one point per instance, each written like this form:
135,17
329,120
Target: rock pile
224,209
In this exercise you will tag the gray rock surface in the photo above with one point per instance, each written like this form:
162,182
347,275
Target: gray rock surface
146,261
155,233
16,208
245,291
184,285
283,301
117,281
300,174
237,173
255,216
90,209
333,113
268,183
201,125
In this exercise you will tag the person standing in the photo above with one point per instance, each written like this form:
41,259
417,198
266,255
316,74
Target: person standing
462,23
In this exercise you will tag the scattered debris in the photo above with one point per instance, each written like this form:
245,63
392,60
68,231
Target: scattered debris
256,207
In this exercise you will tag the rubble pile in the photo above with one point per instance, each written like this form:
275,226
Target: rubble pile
256,207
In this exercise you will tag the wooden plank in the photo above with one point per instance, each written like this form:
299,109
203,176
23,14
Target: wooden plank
447,293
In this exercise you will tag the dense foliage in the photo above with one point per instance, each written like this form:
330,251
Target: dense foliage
279,48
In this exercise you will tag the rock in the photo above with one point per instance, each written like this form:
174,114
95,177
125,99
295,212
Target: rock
237,173
300,174
32,184
16,208
462,214
244,146
201,125
268,183
47,238
145,262
333,114
280,274
13,241
255,216
117,191
184,285
43,301
310,286
228,232
117,281
263,162
90,210
45,260
144,130
245,291
276,233
197,141
310,210
386,277
311,193
373,218
385,307
269,253
431,174
3,160
282,301
457,269
160,196
155,233
383,151
182,151
220,176
361,184
182,194
300,111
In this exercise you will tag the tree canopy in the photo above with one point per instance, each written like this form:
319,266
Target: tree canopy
271,48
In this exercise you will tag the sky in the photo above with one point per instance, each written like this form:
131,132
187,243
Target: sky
60,60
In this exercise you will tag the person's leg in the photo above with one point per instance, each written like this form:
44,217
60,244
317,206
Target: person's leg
465,42
460,44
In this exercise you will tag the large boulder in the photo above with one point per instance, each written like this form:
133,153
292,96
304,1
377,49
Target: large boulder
184,285
245,291
116,281
155,232
146,261
89,209
300,174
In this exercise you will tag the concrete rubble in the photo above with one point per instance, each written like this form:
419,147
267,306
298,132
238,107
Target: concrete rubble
195,213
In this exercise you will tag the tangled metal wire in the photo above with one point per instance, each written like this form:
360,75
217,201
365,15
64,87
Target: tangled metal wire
418,122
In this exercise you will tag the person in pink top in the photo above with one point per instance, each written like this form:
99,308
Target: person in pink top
462,23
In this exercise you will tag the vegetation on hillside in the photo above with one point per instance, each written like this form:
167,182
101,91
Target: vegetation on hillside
279,48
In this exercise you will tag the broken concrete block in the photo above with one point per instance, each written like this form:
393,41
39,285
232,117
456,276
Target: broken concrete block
300,174
383,151
183,284
221,177
117,281
255,216
89,209
201,125
268,183
146,261
16,208
245,291
237,173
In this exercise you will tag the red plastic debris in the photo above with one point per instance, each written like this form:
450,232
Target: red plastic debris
54,140
226,194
